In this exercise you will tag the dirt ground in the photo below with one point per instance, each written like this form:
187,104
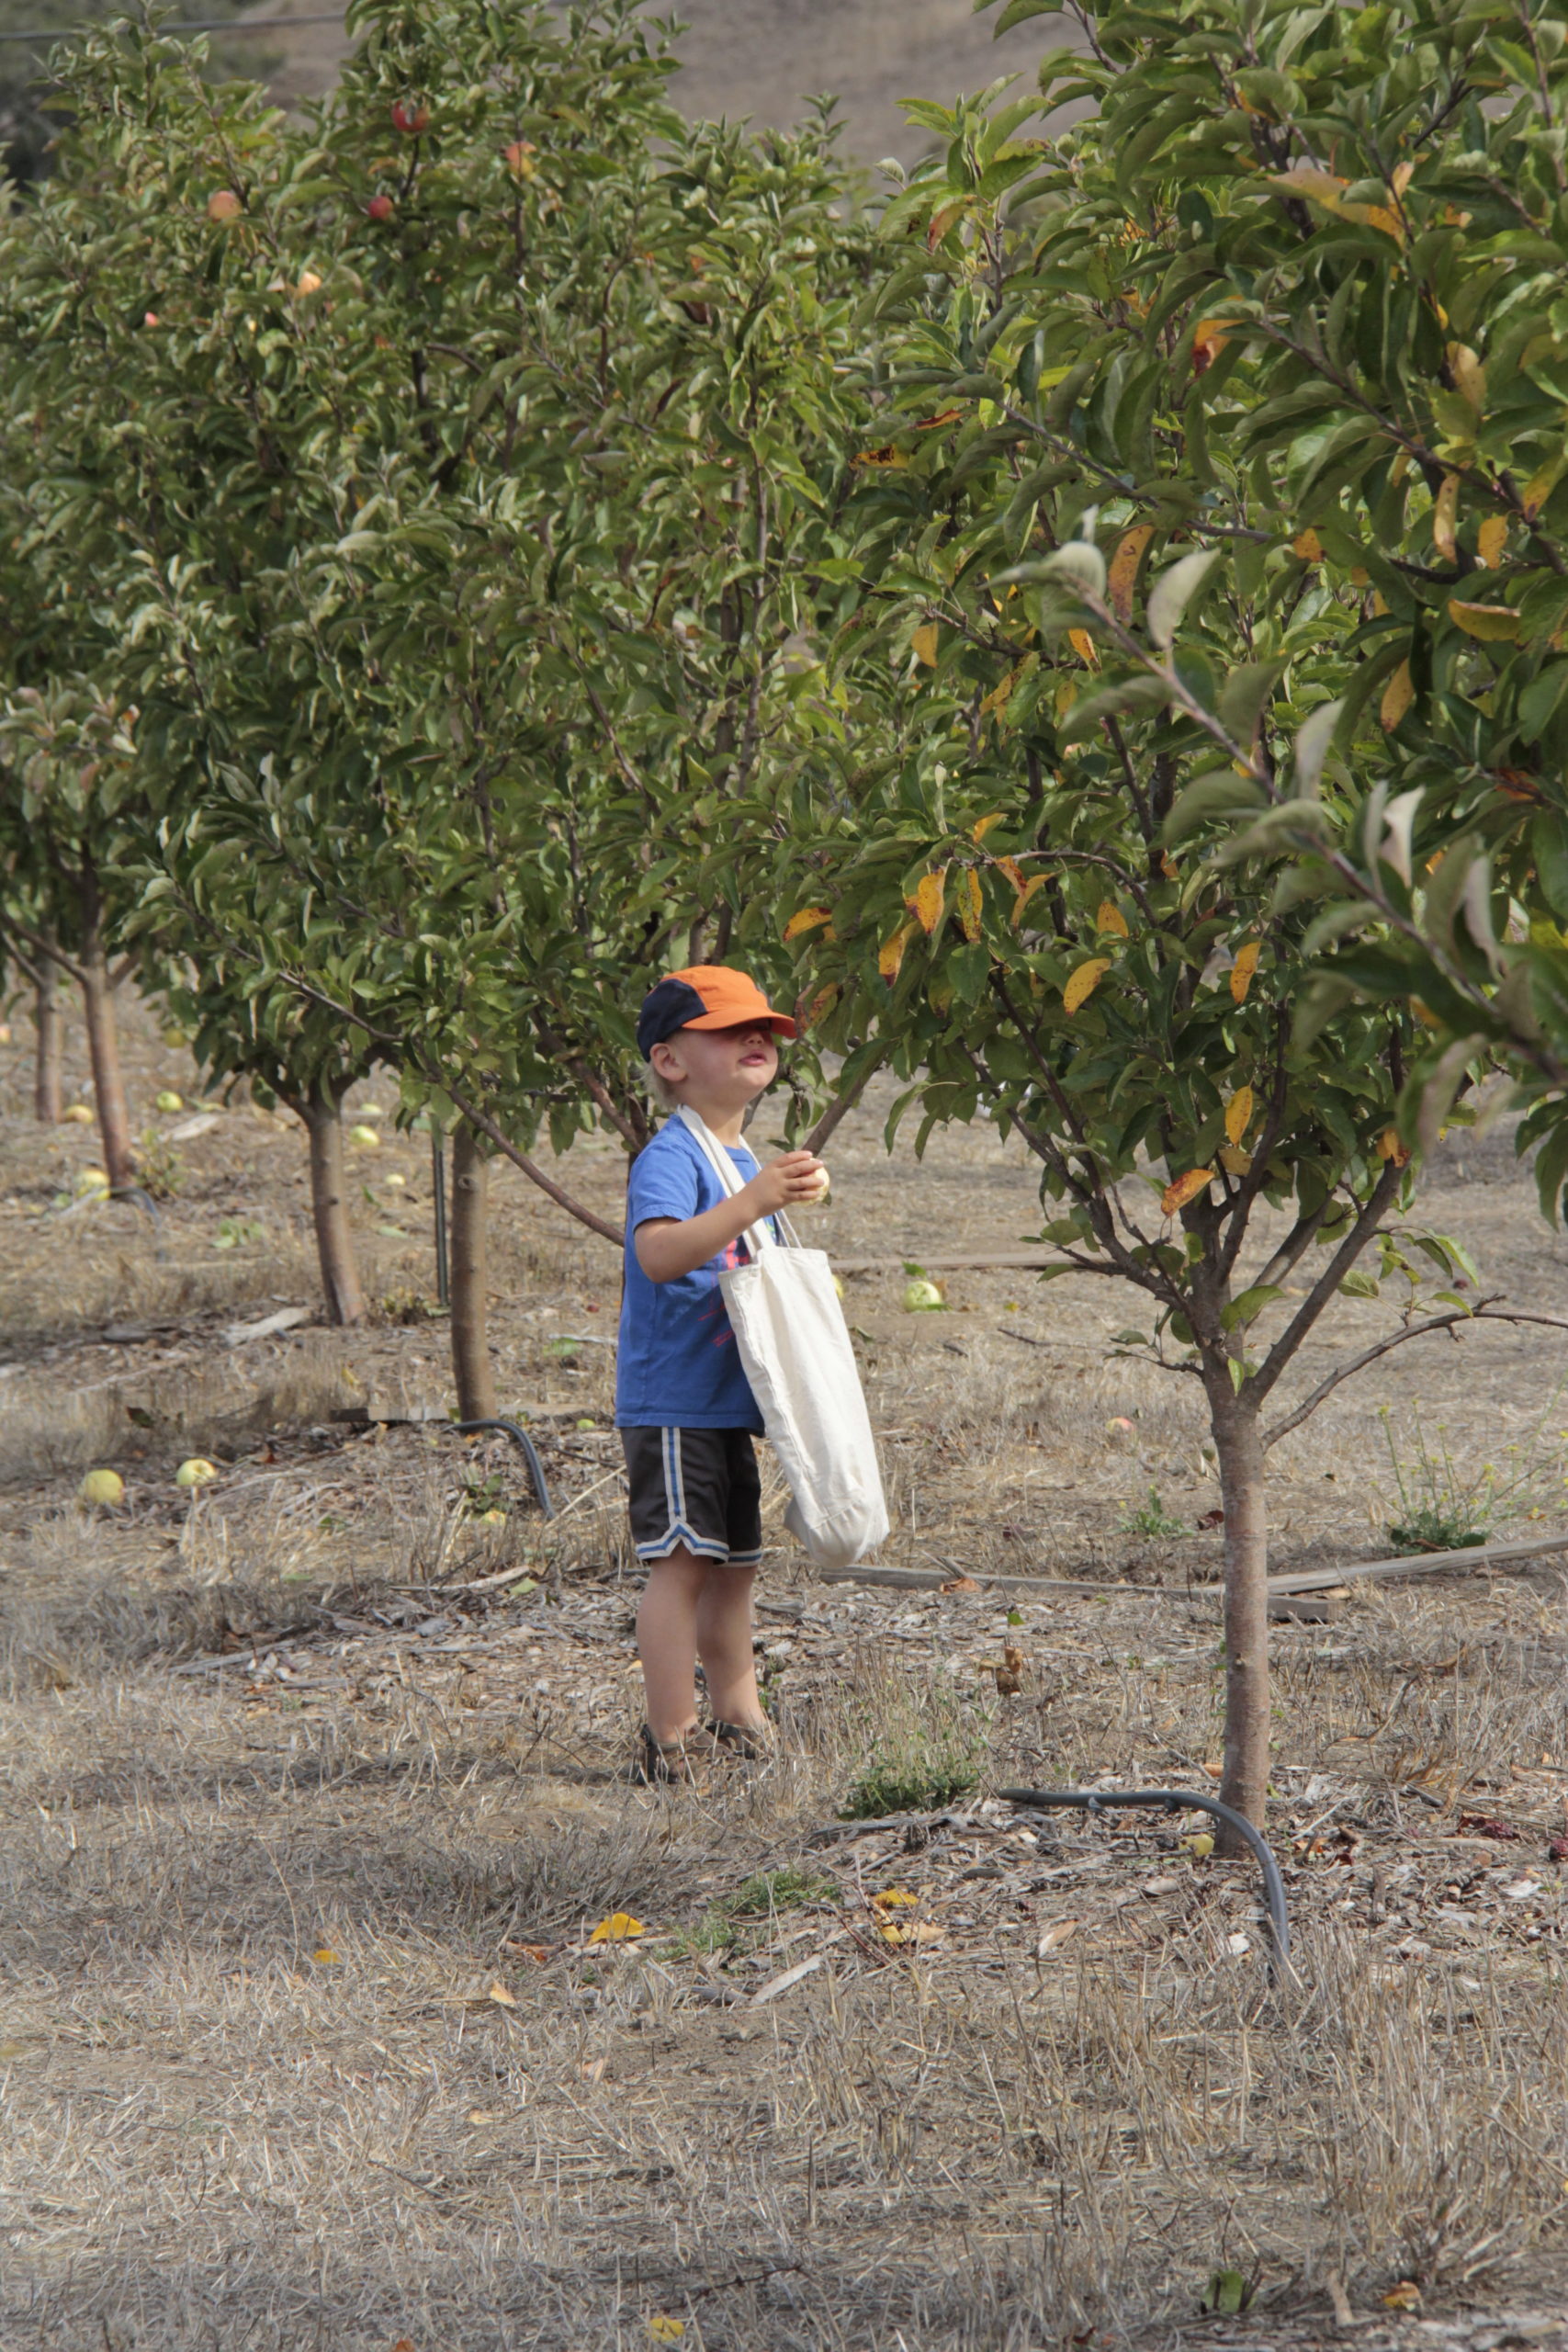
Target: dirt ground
312,1803
760,60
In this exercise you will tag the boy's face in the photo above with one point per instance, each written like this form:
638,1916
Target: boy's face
726,1068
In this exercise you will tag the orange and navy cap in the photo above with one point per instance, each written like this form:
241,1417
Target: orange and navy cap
704,996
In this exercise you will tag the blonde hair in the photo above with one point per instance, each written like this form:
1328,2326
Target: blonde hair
667,1097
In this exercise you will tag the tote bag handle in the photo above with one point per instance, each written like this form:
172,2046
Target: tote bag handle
757,1237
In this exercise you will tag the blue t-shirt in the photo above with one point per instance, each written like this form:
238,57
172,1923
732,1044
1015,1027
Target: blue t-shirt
679,1366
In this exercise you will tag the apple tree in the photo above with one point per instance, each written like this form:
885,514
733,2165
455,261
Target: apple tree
1073,607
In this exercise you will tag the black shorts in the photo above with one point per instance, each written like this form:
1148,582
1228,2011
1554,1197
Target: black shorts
697,1488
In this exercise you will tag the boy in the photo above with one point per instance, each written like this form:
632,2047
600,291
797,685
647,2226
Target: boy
683,1405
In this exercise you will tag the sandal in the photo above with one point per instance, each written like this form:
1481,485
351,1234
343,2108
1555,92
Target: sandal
752,1743
659,1761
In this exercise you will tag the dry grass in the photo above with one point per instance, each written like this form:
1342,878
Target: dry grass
301,2040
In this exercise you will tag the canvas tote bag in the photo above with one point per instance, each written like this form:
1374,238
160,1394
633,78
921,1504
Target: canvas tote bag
795,1349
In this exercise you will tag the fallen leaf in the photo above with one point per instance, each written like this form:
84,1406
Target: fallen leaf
481,2115
1210,1519
326,1958
920,1932
539,1952
592,2070
618,1929
1478,1824
1055,1935
1159,1886
1185,1188
785,1979
501,1996
1237,1943
960,1584
665,2330
893,1898
1083,982
1243,969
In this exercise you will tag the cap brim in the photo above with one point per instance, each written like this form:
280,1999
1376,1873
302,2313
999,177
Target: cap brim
779,1021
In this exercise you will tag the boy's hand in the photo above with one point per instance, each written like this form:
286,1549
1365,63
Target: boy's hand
793,1180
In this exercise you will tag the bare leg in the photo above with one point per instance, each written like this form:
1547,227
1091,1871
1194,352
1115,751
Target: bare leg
666,1621
724,1644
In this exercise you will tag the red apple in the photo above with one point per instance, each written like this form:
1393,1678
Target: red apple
519,159
150,318
380,208
223,205
411,119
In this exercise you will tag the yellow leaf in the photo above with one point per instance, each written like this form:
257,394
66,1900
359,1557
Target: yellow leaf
1540,487
1390,1148
1168,866
501,1996
1011,868
1083,982
1490,540
892,954
618,1929
1469,375
1185,1188
1445,513
893,1898
1110,918
1402,176
1059,1932
923,1932
326,1958
806,920
1242,970
1234,1160
997,700
986,824
1209,339
1397,697
925,642
1238,1113
1424,1013
1305,179
665,2330
1493,624
1035,882
1084,646
888,456
927,901
1123,578
1308,545
969,903
823,1002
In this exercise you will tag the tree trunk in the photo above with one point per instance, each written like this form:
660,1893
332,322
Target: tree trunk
334,1239
472,1368
103,1041
1239,1443
48,1027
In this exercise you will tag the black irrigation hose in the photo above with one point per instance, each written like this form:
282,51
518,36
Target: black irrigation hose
519,1437
1176,1800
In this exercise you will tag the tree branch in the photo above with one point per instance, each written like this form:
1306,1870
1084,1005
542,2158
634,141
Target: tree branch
41,944
1328,1283
1484,1313
836,1109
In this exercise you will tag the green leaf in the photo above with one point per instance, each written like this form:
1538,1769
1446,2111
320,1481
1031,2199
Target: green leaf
1175,590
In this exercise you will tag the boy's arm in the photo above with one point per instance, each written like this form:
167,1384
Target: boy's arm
668,1247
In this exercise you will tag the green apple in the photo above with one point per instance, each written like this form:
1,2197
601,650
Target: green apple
366,1138
921,1297
197,1472
76,1115
90,1180
101,1490
170,1101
